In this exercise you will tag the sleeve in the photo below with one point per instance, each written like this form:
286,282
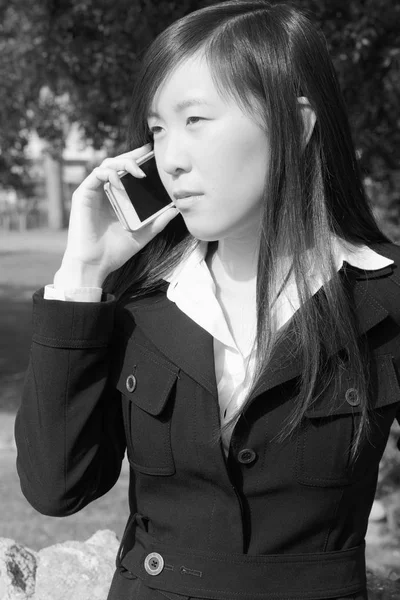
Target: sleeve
69,429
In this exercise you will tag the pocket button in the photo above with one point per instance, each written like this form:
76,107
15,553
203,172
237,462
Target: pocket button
352,397
131,383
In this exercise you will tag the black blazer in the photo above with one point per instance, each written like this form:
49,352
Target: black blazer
272,521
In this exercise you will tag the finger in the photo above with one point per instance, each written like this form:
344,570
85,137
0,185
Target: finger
114,179
152,229
128,160
99,176
133,156
135,153
123,163
139,152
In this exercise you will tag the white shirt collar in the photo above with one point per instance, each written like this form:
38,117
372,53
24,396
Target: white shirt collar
190,260
192,287
361,257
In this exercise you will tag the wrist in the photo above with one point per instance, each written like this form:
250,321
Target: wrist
75,274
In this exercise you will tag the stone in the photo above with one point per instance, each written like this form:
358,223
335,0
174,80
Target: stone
382,589
17,571
78,570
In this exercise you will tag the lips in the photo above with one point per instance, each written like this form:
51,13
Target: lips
185,194
186,202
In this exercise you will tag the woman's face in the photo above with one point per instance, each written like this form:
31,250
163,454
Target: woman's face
206,146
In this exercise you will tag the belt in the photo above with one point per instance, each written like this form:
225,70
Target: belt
224,576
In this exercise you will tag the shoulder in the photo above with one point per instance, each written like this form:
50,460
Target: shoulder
130,307
385,290
383,285
146,298
388,278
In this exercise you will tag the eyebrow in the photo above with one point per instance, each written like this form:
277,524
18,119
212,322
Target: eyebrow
181,106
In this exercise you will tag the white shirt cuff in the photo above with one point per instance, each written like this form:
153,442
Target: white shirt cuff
84,294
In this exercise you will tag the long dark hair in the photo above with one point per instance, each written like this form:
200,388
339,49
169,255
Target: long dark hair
267,55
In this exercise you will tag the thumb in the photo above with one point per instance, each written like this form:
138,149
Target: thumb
162,221
152,229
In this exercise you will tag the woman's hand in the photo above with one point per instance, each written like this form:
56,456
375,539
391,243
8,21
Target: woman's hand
97,243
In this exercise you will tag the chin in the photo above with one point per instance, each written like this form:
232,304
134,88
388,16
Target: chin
203,232
203,236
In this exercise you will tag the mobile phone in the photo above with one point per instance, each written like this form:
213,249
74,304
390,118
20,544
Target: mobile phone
142,200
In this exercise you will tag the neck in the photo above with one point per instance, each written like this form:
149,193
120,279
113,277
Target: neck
236,257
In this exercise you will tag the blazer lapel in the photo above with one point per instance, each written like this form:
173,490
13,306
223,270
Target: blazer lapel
191,348
286,365
179,338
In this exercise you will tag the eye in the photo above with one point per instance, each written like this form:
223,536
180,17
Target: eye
194,120
154,130
189,121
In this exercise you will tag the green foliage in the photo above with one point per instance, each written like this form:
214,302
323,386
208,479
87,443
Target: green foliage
364,41
64,61
20,84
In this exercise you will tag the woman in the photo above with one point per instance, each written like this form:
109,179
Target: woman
246,356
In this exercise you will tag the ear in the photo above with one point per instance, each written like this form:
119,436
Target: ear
309,118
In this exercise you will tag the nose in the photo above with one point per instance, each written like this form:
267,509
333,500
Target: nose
172,157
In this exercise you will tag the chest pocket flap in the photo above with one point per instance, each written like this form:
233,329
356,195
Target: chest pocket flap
147,381
324,443
384,391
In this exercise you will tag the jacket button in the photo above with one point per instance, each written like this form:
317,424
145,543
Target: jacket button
352,397
130,383
247,456
153,563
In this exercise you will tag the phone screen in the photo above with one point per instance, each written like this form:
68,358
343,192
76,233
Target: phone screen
148,195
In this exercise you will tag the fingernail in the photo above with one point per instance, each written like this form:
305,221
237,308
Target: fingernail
142,173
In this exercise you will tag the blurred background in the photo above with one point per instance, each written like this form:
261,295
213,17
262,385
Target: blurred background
67,69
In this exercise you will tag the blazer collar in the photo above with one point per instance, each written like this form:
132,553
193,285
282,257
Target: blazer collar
178,337
190,347
285,365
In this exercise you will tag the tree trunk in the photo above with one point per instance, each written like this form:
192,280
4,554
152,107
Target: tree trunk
53,172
